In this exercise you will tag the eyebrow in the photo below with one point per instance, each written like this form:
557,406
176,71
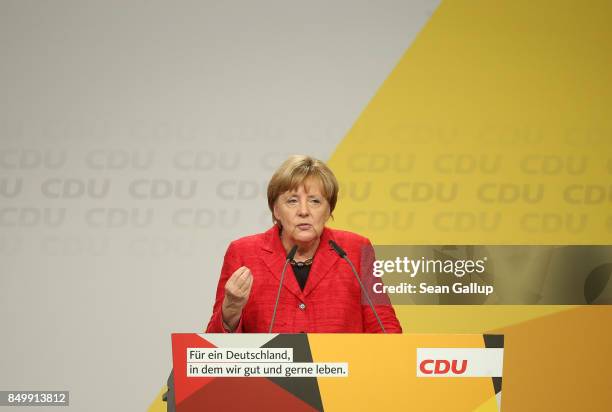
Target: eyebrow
289,196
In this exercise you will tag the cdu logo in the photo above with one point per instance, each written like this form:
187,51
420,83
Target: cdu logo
459,362
443,366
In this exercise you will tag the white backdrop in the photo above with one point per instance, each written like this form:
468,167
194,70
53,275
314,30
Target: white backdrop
136,140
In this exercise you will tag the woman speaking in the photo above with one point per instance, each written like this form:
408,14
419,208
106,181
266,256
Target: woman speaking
319,292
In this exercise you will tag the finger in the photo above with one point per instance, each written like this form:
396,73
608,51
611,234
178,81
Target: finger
245,273
239,272
230,290
246,286
236,275
246,292
244,280
251,280
230,285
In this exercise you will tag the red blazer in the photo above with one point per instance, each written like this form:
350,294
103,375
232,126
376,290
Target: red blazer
331,300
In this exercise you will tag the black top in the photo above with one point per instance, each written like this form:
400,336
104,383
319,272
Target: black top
301,274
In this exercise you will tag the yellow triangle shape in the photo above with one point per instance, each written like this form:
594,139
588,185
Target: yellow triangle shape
494,128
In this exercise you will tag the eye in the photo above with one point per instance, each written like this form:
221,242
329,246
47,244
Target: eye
315,201
291,201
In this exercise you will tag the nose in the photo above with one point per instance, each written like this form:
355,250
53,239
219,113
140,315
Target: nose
303,209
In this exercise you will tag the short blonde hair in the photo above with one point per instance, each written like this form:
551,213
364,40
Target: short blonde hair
294,171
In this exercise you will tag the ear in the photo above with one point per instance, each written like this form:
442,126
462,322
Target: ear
275,212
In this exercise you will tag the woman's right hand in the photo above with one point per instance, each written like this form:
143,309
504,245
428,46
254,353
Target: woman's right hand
237,291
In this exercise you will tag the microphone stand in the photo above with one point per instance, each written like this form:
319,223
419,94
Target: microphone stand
290,256
343,255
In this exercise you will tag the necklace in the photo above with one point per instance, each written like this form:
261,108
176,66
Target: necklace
307,262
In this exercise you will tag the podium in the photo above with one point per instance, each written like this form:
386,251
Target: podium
345,372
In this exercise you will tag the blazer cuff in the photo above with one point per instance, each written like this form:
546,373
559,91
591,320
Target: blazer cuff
219,326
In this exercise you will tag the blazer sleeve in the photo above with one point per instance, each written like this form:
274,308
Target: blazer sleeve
231,262
382,304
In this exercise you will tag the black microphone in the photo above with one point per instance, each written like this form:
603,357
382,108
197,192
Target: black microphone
290,256
338,249
292,253
343,255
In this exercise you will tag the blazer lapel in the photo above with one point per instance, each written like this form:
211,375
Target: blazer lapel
273,254
325,259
